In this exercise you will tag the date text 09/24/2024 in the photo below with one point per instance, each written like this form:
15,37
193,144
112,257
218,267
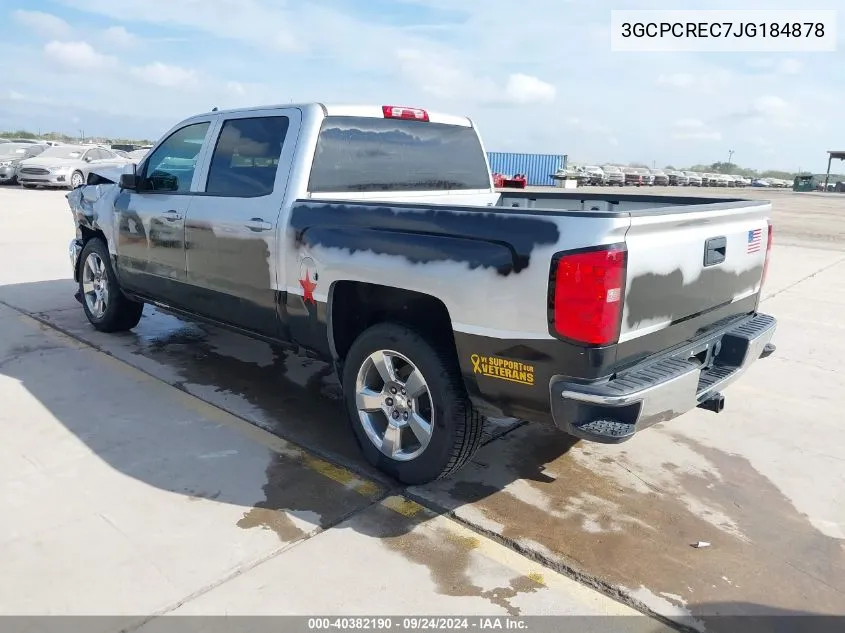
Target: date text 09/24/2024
417,623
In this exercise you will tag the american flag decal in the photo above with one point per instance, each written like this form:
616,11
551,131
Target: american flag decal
755,241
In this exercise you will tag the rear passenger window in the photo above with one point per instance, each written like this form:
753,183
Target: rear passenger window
246,157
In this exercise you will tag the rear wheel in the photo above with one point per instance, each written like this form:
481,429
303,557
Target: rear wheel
408,406
106,307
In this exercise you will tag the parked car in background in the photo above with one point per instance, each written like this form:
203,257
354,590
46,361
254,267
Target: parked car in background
137,155
740,181
5,140
633,177
613,175
694,179
677,178
760,182
659,178
595,175
66,166
11,154
724,180
648,178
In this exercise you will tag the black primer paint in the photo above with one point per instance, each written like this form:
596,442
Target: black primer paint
654,296
486,239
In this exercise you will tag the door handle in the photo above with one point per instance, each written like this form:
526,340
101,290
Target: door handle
172,216
258,224
715,250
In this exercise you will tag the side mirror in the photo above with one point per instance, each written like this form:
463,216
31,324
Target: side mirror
129,181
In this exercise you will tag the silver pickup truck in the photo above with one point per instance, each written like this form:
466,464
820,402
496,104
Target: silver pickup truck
372,237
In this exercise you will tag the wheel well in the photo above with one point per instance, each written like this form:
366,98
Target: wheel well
86,235
362,305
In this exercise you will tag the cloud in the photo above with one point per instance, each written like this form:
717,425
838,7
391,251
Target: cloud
12,95
676,80
44,24
790,67
165,76
236,88
525,89
689,129
769,110
119,37
76,56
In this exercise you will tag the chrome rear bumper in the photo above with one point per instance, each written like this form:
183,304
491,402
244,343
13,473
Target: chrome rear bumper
660,390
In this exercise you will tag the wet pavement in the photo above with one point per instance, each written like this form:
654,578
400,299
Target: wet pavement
124,496
762,483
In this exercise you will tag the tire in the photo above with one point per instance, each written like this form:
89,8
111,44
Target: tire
76,179
455,429
97,280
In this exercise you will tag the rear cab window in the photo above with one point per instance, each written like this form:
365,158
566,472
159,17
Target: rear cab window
361,154
246,157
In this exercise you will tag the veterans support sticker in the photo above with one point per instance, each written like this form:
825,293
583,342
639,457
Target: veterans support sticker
503,369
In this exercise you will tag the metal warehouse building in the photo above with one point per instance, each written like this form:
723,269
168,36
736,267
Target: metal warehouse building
537,168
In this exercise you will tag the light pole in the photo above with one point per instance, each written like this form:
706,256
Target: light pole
82,136
730,155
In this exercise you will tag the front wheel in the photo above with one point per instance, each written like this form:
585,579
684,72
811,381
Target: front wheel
408,406
106,307
76,180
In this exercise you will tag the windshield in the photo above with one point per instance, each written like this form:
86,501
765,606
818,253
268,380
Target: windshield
612,170
63,152
10,149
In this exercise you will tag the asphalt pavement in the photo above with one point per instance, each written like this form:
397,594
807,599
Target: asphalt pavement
115,428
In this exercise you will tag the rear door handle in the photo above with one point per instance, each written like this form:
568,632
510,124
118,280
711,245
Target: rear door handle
172,216
258,224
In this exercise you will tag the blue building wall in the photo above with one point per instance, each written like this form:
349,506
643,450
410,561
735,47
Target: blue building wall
537,167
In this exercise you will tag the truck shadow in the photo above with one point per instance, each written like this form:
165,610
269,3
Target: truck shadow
530,485
293,398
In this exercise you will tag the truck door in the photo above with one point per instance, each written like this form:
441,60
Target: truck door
231,231
151,220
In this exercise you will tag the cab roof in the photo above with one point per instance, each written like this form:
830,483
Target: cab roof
351,110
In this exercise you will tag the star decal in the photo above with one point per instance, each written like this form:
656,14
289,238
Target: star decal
308,287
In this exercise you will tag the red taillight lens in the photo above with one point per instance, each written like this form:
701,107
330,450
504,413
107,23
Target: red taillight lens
402,112
768,253
588,294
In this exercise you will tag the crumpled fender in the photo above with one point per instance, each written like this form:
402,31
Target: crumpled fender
92,205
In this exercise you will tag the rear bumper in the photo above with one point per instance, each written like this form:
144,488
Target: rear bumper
658,390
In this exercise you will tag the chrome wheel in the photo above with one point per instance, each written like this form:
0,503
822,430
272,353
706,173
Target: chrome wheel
394,405
76,180
95,285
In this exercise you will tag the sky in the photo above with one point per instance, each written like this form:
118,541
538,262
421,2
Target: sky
535,75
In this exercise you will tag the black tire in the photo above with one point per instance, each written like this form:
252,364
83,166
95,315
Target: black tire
121,313
457,426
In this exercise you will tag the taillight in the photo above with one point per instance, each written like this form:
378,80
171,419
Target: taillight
587,294
401,112
768,253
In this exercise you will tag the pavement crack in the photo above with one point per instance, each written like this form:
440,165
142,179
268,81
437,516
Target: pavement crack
244,569
803,279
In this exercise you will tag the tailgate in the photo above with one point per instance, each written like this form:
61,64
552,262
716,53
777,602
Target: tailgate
685,262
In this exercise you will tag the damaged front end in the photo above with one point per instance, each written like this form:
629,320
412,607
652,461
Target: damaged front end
92,206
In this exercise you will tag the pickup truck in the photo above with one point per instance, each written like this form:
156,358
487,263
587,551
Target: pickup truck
373,238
